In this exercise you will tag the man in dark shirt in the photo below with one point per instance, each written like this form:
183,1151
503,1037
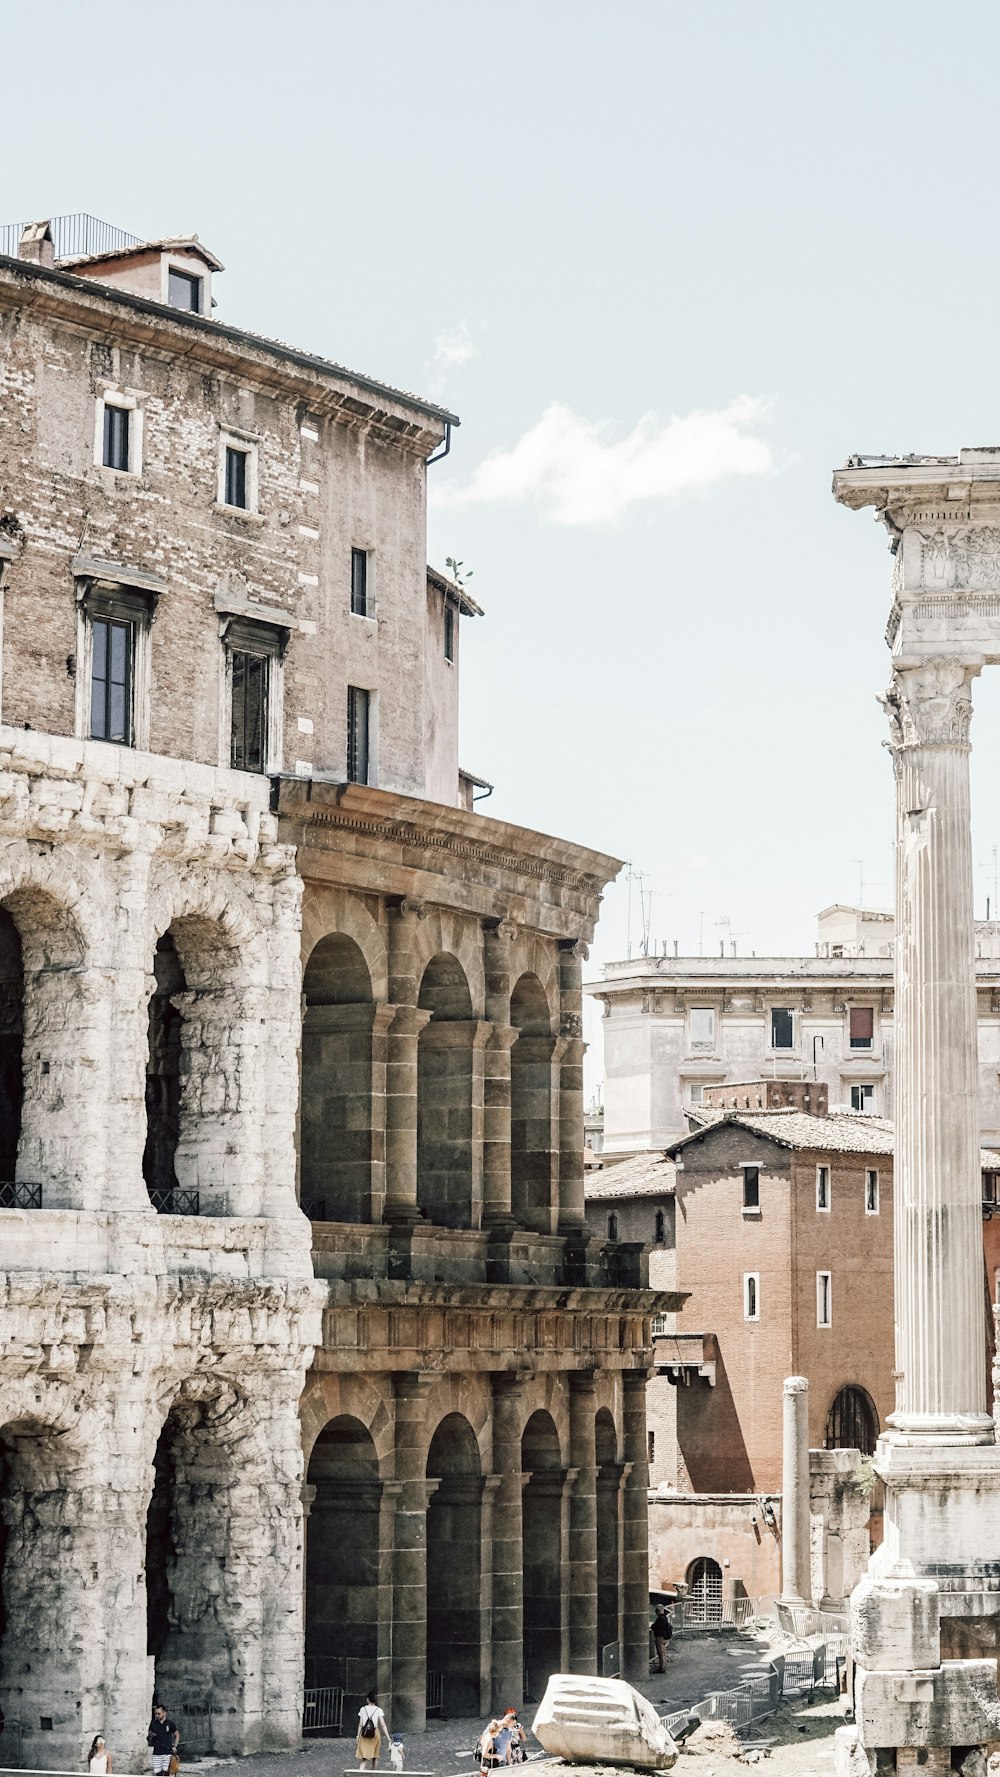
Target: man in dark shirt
163,1738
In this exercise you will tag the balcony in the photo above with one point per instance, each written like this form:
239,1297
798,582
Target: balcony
18,1196
685,1357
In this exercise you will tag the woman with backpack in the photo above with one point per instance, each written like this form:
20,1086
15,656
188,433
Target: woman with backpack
371,1727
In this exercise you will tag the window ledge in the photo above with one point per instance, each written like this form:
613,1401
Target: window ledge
751,1215
240,512
365,617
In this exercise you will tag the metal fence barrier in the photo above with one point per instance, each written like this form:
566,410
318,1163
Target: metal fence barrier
435,1693
196,1727
754,1698
717,1613
323,1710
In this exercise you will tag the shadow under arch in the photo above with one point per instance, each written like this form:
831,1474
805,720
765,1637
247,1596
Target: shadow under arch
531,1153
609,1475
343,1542
445,1095
337,1149
544,1478
454,1565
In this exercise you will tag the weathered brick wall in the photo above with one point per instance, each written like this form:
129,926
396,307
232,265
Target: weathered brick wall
325,486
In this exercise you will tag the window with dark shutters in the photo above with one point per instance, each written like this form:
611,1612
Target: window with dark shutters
357,734
236,477
116,437
248,749
862,1026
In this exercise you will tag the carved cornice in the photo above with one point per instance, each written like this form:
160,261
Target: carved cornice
930,704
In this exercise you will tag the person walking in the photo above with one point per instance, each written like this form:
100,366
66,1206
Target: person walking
661,1630
372,1725
99,1758
489,1755
509,1742
163,1740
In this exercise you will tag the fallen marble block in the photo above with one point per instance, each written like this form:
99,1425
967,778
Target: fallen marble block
601,1721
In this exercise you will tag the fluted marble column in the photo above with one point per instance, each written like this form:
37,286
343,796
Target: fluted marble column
941,1380
796,1576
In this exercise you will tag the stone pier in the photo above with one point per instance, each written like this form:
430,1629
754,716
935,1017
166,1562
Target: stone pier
924,1618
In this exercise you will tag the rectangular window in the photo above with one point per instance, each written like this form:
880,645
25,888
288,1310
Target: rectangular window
248,728
359,583
702,1027
862,1026
863,1098
183,291
990,1188
236,477
650,1446
357,734
824,1299
751,1187
823,1193
111,679
696,1093
751,1295
781,1028
871,1193
116,437
449,633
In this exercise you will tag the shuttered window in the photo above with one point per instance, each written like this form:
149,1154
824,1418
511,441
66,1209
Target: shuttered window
357,734
862,1026
116,437
359,582
236,477
248,746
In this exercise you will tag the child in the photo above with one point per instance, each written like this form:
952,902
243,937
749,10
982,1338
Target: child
396,1752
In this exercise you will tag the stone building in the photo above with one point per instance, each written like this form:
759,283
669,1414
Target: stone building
674,1027
255,948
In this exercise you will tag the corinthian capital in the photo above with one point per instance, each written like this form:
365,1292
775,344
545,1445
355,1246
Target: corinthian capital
930,704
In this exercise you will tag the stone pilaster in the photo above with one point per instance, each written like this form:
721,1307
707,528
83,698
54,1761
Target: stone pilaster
498,939
941,1381
401,1065
409,1566
635,1531
508,1543
572,1218
796,1583
582,1524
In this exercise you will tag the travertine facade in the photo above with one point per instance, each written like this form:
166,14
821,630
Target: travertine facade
255,949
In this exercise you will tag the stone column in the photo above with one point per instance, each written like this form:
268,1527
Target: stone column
508,1543
635,1531
572,1218
401,1065
409,1563
582,1524
796,1582
941,1381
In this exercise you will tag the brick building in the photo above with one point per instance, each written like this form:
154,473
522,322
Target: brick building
255,948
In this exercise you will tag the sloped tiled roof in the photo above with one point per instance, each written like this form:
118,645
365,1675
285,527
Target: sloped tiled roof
645,1175
842,1132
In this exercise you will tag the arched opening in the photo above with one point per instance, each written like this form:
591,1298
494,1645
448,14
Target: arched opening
542,1493
531,1157
852,1423
703,1603
197,1616
40,1656
336,1151
444,1096
11,1064
608,1489
454,1597
163,1077
342,1562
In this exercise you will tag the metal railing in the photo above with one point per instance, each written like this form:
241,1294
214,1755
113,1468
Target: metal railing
18,1196
197,1728
435,1693
72,235
716,1613
175,1202
787,1675
323,1710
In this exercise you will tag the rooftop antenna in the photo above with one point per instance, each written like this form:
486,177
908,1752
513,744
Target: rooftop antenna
861,881
638,876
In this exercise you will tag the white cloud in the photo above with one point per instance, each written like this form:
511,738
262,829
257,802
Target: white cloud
583,475
696,860
451,348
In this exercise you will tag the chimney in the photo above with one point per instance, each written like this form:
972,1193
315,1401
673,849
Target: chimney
36,244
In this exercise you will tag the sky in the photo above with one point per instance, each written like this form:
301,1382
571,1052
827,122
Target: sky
670,264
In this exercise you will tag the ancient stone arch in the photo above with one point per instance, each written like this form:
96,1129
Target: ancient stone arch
343,1060
327,910
542,1465
534,1105
328,1396
441,932
447,1054
346,1547
455,1625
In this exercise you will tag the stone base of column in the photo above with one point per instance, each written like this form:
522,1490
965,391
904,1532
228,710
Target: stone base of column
923,1618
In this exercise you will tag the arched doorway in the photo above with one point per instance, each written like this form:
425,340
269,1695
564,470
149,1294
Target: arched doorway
703,1603
342,1562
852,1422
198,1613
163,1077
608,1564
11,1064
531,1158
335,1144
541,1464
454,1592
444,1096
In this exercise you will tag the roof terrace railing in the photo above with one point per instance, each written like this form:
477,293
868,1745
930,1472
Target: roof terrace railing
72,235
